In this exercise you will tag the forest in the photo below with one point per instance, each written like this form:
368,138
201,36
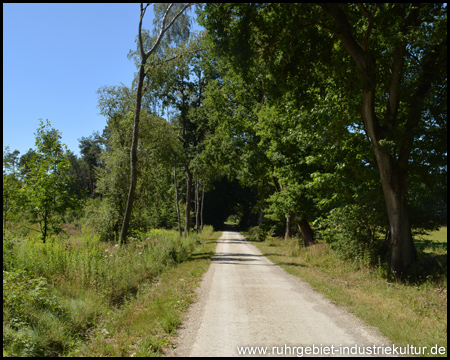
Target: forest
320,122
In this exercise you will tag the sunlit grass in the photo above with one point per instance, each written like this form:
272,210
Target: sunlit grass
74,293
406,313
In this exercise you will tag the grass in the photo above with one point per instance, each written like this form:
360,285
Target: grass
412,313
433,243
76,295
147,322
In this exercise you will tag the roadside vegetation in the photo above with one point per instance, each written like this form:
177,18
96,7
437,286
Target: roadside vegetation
413,312
76,295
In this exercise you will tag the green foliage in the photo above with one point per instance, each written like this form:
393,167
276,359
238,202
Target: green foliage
207,231
36,322
154,204
112,270
12,199
105,218
45,188
54,292
260,234
355,233
302,82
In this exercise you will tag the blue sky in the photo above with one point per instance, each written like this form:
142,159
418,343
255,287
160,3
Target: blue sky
55,58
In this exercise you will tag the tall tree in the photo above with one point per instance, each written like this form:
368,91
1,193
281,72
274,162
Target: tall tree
389,60
167,20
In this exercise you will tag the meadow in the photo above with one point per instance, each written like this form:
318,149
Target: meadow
76,295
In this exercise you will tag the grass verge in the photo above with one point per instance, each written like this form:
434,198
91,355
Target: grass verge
143,326
78,296
406,313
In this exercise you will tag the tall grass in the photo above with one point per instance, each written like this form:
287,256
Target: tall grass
413,312
54,293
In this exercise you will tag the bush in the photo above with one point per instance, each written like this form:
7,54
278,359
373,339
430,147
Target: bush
351,232
254,233
104,217
260,234
207,231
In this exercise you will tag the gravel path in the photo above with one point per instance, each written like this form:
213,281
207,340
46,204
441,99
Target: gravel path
246,300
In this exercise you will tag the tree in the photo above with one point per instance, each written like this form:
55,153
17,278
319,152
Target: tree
166,24
155,152
389,60
46,185
178,86
90,148
11,185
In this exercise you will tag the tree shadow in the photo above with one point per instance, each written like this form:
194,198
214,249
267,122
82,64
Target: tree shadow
239,259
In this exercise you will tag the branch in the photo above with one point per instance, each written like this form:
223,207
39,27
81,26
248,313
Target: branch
189,52
32,229
365,13
413,56
344,31
430,65
174,57
165,28
143,10
396,72
325,28
369,29
394,85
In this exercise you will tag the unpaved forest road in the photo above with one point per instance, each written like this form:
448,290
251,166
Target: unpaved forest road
246,300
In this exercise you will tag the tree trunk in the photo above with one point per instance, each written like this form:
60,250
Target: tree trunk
90,181
201,209
133,156
187,223
137,113
393,178
5,207
306,231
197,207
287,234
393,170
176,199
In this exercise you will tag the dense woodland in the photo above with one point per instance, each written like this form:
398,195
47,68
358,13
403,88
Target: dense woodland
325,121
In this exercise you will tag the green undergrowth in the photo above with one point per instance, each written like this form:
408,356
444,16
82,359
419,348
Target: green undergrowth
76,295
407,313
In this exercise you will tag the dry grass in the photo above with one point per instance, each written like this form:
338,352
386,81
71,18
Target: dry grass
414,313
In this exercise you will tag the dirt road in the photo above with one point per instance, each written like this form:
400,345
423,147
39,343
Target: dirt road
246,300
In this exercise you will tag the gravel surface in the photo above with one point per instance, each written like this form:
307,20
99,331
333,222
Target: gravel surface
246,300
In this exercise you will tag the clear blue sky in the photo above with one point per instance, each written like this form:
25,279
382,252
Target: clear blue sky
55,58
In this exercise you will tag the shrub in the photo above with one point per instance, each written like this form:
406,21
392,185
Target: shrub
104,217
254,233
353,234
207,231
